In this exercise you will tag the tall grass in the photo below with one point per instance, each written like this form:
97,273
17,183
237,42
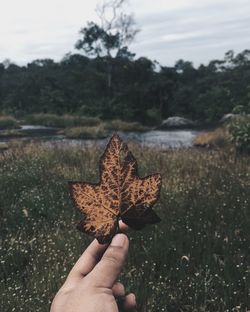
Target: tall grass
51,120
120,125
217,138
196,259
8,122
97,132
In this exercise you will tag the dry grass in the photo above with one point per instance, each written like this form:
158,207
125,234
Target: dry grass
51,120
120,125
8,122
3,146
11,133
218,138
97,132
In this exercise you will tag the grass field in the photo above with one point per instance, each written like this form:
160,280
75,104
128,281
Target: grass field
196,259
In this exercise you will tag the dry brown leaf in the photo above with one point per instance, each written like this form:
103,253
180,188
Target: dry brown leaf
120,194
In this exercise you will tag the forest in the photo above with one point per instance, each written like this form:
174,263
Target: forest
125,87
106,80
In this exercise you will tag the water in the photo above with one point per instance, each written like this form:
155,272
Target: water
163,139
153,138
36,130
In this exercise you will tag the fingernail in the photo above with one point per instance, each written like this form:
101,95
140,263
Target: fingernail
134,297
118,240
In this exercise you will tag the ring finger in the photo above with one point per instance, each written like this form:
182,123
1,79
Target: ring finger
118,290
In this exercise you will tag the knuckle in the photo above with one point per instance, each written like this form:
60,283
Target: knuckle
65,290
115,257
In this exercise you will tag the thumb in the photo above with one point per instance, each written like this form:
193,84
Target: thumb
108,268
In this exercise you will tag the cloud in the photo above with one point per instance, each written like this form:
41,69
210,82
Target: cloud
29,27
198,33
170,30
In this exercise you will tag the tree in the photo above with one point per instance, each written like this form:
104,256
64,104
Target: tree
109,39
93,42
120,28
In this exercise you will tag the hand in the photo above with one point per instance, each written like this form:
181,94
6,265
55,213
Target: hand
91,285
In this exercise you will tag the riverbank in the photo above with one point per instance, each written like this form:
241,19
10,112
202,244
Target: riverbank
69,126
233,133
64,123
160,140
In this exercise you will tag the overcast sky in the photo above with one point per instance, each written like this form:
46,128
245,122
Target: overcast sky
197,31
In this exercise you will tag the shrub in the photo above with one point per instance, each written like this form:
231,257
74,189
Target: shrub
8,122
51,120
153,117
240,132
74,121
11,133
120,125
97,132
241,109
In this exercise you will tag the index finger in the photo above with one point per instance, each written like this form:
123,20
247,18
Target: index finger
90,257
87,261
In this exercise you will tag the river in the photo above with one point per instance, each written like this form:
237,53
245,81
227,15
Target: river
152,138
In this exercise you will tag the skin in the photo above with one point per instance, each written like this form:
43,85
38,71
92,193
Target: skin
91,285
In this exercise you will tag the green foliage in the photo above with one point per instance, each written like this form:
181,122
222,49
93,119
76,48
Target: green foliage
120,125
239,128
52,120
153,117
114,32
238,109
195,259
8,122
121,87
210,104
94,132
11,133
93,41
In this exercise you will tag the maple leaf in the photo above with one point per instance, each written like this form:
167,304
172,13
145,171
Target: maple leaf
120,194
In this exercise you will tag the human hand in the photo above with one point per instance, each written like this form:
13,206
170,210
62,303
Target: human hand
91,285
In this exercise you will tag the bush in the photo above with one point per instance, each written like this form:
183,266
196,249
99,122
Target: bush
153,117
120,125
11,133
97,132
241,109
51,120
8,122
240,132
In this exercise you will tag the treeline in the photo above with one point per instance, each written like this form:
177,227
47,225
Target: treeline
126,88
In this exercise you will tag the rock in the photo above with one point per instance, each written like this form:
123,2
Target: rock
227,117
176,122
